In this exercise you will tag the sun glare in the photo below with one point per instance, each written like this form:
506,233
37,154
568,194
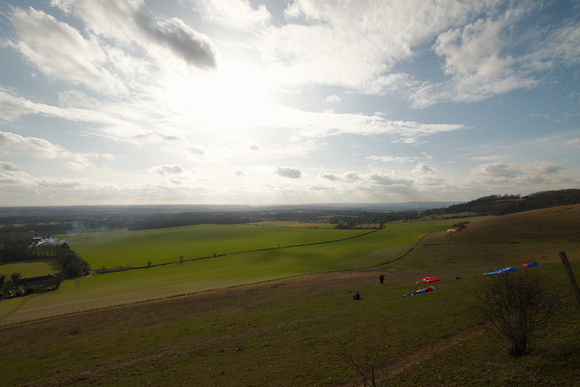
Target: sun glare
234,97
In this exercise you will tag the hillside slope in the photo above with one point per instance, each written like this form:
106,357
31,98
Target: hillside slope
512,239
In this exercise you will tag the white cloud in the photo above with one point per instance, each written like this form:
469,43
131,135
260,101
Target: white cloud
478,61
165,170
397,159
11,143
423,169
522,174
7,166
555,45
332,99
31,146
12,107
351,176
575,143
237,13
292,173
60,51
131,22
329,176
77,99
325,124
356,44
390,180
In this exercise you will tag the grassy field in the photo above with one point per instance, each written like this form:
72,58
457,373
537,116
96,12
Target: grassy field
131,286
30,269
283,333
137,248
292,329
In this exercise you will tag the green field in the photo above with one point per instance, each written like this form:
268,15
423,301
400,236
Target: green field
30,269
137,248
111,249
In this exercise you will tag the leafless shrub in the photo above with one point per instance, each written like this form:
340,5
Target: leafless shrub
366,352
516,304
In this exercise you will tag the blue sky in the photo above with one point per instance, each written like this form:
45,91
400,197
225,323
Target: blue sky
286,102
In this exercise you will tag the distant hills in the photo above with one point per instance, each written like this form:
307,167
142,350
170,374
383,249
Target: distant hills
45,221
508,204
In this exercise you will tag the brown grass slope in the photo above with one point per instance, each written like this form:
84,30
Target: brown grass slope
286,332
533,236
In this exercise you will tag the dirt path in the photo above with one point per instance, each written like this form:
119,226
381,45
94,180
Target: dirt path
411,358
18,307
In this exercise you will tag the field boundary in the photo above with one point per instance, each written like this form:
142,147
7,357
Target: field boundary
125,268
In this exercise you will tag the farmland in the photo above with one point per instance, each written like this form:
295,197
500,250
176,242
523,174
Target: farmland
276,317
221,271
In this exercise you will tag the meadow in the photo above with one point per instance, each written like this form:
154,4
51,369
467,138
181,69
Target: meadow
285,316
137,248
233,269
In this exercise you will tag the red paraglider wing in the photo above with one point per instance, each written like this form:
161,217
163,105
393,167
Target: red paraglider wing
427,280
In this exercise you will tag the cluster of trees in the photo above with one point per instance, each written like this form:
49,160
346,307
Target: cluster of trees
26,249
9,286
508,204
71,263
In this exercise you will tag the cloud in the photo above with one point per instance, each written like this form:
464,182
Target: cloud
386,159
7,166
165,170
524,174
241,174
357,44
237,13
60,51
77,99
288,172
392,180
31,146
423,169
332,99
478,61
555,45
351,176
329,176
326,124
195,48
12,107
43,149
255,147
575,143
131,22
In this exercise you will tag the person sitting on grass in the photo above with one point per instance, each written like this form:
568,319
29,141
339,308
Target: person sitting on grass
356,295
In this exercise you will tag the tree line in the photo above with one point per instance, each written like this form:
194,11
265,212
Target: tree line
508,204
70,262
26,249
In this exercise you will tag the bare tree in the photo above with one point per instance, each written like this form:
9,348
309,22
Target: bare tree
366,352
516,304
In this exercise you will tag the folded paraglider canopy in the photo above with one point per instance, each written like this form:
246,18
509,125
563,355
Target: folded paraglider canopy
501,271
425,290
531,264
427,280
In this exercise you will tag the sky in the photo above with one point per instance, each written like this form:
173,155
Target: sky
286,101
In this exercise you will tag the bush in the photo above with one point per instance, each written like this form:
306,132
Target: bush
515,305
